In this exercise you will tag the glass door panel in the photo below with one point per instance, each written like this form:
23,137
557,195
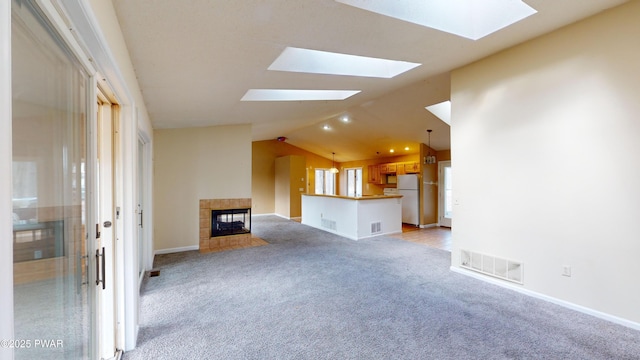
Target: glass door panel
52,302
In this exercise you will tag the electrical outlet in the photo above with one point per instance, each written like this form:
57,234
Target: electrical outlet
566,270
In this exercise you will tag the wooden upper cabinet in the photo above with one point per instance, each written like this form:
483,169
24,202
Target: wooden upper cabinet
388,168
374,175
412,167
392,168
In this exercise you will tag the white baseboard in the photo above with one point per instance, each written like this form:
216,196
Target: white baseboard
258,215
175,250
563,303
426,226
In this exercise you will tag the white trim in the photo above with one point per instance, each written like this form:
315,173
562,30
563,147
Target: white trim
563,303
6,154
83,19
268,214
441,197
426,226
176,250
71,41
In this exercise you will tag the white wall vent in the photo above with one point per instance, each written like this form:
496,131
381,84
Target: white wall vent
490,265
376,227
329,224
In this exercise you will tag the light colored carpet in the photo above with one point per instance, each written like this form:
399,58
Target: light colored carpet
313,295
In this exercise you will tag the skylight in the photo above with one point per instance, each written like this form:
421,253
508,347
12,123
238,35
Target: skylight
329,63
472,19
442,111
296,95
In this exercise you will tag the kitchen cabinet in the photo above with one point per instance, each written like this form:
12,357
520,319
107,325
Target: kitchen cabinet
388,168
374,176
411,168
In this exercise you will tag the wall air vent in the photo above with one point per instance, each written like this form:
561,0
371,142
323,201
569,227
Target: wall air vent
376,227
493,266
328,224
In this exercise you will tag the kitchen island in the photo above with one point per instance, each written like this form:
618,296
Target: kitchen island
353,217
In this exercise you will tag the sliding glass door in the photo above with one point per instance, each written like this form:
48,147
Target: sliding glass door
52,295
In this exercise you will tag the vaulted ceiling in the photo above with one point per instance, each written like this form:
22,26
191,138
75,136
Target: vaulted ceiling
195,59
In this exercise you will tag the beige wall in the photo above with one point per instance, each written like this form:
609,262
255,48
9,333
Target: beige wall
192,164
545,143
264,154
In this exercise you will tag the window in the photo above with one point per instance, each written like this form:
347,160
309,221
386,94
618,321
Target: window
325,182
354,182
25,191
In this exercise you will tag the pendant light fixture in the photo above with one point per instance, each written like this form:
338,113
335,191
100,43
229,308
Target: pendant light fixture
429,159
334,169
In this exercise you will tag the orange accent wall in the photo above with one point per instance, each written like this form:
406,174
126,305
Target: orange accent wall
263,171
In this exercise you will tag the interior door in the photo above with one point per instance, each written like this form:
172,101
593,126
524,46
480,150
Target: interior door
105,251
445,197
141,201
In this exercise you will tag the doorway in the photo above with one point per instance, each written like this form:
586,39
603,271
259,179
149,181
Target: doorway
445,194
106,224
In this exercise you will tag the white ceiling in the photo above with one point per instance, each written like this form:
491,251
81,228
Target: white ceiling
195,59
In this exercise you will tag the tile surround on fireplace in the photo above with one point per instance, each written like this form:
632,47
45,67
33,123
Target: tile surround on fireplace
210,244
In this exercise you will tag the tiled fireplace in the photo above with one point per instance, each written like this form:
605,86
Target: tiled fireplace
224,223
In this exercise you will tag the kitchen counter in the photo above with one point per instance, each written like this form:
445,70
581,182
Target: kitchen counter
353,217
364,197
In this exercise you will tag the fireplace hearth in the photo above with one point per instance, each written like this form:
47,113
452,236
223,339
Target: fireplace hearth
224,224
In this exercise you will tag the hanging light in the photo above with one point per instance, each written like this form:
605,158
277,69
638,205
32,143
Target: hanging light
334,169
429,159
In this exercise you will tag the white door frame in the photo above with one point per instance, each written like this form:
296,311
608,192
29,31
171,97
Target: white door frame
106,215
80,13
143,174
442,220
6,158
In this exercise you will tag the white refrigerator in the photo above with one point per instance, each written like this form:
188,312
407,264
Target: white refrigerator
409,188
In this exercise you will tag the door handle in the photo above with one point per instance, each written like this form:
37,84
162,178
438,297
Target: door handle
100,260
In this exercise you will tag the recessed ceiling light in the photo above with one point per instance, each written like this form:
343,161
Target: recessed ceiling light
345,119
329,63
392,151
296,95
406,148
472,19
442,111
327,127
